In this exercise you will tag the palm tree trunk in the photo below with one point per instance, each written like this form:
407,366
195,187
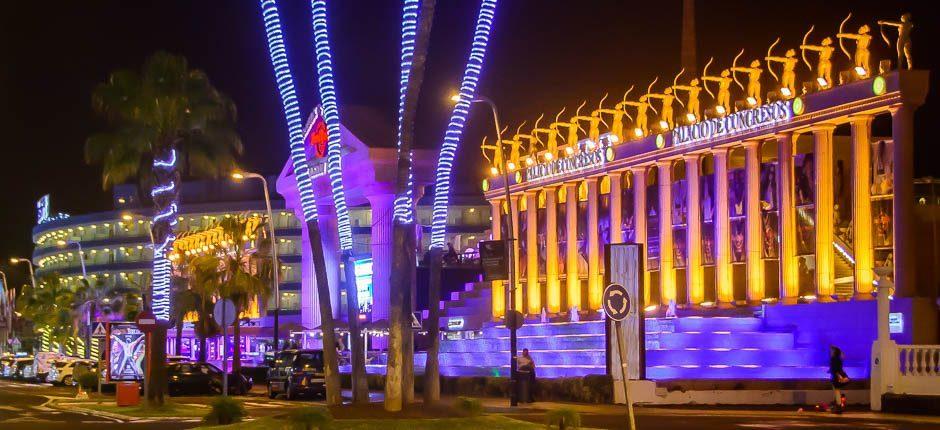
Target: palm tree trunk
237,348
432,369
399,384
179,336
330,364
360,385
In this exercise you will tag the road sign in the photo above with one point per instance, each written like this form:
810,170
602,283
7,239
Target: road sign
100,330
415,322
224,312
616,302
495,260
146,321
514,319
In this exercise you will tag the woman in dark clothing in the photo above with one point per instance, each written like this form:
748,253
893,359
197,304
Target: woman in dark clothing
837,376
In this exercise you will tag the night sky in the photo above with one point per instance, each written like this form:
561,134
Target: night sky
543,55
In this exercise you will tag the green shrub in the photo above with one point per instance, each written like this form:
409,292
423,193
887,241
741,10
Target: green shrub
88,380
562,419
310,418
469,406
225,410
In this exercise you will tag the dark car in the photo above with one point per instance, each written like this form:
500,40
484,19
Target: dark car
295,372
188,377
23,368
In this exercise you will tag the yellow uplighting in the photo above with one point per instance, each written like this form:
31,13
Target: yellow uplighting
720,109
663,124
127,217
549,156
614,138
751,101
638,132
494,171
529,161
690,117
860,71
786,92
511,166
569,150
823,83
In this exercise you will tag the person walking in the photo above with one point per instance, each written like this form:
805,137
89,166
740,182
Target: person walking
838,377
527,369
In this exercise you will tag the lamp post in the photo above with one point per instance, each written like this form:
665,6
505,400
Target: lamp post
81,254
238,176
32,273
513,340
6,312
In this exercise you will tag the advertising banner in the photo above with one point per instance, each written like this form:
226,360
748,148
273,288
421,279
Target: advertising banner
126,350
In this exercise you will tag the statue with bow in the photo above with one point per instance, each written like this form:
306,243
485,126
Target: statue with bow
862,41
723,98
787,76
641,120
667,121
753,79
904,27
617,114
824,61
692,106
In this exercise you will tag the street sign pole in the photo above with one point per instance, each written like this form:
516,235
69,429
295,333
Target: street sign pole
617,307
224,354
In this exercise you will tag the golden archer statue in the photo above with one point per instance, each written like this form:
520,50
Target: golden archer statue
496,162
862,42
593,122
616,127
824,61
666,120
692,105
531,147
640,122
551,148
571,140
787,77
904,27
753,79
723,98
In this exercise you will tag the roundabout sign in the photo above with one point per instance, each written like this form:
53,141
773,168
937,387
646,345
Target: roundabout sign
616,302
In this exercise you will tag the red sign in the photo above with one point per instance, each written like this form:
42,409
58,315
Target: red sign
146,321
318,137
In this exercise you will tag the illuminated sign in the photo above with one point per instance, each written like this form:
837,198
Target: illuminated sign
591,155
896,322
363,270
734,124
125,352
455,323
42,209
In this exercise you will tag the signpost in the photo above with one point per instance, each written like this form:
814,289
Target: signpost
617,307
495,260
224,313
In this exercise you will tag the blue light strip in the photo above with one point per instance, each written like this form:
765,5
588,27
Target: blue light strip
458,118
328,98
285,86
403,212
162,268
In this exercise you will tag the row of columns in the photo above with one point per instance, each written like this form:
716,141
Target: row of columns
755,291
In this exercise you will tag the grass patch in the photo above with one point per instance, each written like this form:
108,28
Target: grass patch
142,411
488,422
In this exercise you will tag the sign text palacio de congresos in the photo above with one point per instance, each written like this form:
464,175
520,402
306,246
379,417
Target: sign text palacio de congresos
736,123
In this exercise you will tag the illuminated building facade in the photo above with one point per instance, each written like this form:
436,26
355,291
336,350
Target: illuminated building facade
784,204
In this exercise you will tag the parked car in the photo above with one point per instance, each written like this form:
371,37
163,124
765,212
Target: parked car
23,368
295,372
177,358
190,377
44,362
8,366
66,372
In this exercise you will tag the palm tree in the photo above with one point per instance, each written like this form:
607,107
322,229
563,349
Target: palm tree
246,278
445,162
49,307
399,386
205,284
185,301
165,121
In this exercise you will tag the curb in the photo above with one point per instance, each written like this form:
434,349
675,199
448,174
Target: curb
73,407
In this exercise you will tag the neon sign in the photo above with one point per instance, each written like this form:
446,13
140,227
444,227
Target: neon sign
585,159
363,270
734,124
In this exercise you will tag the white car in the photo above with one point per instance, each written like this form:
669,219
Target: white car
63,372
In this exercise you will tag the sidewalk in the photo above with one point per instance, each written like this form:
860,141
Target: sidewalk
501,406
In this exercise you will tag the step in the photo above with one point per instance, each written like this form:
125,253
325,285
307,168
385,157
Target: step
548,329
747,372
561,343
477,303
541,372
732,324
593,357
732,357
719,339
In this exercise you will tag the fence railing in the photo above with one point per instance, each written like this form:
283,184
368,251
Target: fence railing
918,370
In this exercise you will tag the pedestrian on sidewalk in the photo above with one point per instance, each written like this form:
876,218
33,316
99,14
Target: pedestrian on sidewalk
527,368
838,377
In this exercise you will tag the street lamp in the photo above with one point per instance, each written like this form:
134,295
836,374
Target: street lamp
239,176
32,273
81,253
511,324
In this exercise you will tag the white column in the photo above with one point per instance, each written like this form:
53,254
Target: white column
755,265
552,282
616,205
824,208
789,271
571,246
667,275
723,273
861,206
533,292
640,213
382,252
905,239
595,290
498,299
695,278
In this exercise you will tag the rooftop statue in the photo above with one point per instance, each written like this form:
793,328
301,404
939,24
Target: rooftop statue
496,162
593,122
641,121
862,42
571,139
753,79
787,76
551,147
616,127
824,60
904,27
723,98
666,120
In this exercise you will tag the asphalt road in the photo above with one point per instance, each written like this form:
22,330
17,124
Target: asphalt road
24,406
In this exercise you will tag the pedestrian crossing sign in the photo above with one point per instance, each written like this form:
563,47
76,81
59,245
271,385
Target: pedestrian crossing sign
99,330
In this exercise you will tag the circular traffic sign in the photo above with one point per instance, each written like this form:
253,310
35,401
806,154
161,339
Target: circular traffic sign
616,302
514,319
146,321
224,312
